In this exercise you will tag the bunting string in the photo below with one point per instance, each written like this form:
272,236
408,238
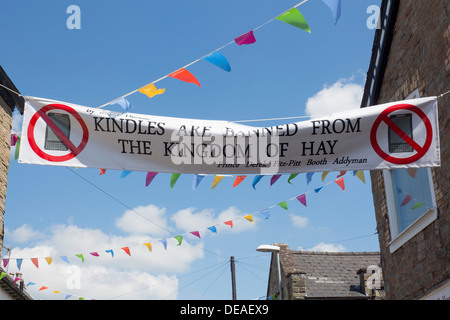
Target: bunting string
127,250
291,16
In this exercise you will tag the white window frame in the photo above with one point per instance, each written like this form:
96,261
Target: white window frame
400,238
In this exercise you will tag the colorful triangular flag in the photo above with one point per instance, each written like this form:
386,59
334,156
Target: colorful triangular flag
340,183
256,180
229,223
216,181
213,229
417,205
274,178
406,200
184,75
196,233
283,205
292,176
149,246
80,256
246,38
266,212
164,242
218,59
302,199
124,103
335,7
238,180
197,179
127,250
150,90
294,18
174,179
149,178
249,218
179,239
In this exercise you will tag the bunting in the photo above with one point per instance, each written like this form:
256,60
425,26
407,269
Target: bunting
184,75
294,18
196,233
291,16
150,90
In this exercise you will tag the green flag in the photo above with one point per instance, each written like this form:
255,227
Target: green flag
417,205
174,179
283,205
179,238
294,18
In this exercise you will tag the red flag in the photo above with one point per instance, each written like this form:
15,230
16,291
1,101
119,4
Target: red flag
35,262
127,250
230,223
184,75
340,183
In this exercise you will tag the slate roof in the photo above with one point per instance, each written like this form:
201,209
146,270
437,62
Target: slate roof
334,274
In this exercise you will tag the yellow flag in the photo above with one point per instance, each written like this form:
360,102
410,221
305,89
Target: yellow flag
49,260
324,175
249,218
150,90
360,175
149,246
216,181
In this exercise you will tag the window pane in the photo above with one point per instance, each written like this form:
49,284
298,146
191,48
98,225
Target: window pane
412,195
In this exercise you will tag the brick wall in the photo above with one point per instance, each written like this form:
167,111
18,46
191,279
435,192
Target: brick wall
419,58
5,141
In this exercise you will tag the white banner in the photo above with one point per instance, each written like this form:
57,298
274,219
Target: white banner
394,135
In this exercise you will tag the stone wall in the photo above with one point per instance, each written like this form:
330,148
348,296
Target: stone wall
5,142
419,58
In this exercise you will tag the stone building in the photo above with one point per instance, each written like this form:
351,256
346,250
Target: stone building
411,59
325,275
8,102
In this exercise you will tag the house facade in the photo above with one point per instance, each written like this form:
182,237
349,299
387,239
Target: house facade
307,275
411,59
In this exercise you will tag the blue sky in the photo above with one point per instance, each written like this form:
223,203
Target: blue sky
123,45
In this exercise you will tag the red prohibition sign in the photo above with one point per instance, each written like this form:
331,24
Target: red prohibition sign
42,113
420,150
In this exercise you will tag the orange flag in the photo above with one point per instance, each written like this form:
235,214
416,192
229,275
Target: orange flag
238,180
184,75
35,262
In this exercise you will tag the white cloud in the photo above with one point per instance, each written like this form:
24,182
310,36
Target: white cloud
149,220
24,234
299,221
341,96
326,247
143,275
103,277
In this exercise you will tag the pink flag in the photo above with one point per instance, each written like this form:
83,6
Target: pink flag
95,254
150,177
196,233
246,38
274,178
302,199
406,200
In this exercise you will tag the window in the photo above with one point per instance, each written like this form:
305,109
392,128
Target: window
410,200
